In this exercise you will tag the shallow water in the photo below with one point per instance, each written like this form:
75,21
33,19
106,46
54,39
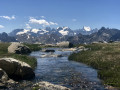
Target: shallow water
61,71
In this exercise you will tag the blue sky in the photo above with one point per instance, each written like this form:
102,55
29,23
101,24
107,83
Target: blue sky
72,13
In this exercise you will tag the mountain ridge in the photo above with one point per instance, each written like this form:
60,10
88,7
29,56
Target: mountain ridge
52,35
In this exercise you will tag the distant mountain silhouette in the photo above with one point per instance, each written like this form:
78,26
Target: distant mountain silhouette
5,38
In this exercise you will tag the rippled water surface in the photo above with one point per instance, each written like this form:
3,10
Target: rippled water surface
61,71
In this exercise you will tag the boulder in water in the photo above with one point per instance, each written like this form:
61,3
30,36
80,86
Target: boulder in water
49,50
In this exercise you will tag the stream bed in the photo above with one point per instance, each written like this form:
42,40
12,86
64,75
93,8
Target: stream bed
61,71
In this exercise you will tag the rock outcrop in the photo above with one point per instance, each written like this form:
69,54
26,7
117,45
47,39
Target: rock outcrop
16,69
48,86
18,48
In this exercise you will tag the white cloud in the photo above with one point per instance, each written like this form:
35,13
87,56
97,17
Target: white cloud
41,22
28,26
8,17
74,20
52,23
1,26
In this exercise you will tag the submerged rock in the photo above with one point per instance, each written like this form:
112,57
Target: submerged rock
50,55
18,48
49,50
16,69
48,86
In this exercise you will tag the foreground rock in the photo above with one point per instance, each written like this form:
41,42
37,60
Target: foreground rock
4,80
18,48
3,76
48,86
16,69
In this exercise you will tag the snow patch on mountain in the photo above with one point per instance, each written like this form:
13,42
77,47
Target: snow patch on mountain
23,32
45,31
28,37
35,30
87,28
64,30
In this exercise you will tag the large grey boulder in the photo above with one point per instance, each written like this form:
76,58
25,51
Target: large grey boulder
18,48
16,69
48,86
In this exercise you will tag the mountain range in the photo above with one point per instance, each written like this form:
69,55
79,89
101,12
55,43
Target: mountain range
48,35
52,35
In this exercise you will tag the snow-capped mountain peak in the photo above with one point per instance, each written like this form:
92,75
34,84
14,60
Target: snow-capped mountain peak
86,28
23,32
35,30
63,30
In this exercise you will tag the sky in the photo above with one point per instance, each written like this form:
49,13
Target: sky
75,14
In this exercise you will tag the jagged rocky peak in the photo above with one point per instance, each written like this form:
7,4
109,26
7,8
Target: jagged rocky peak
5,38
4,34
13,33
48,28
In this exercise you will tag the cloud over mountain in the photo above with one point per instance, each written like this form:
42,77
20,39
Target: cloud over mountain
42,22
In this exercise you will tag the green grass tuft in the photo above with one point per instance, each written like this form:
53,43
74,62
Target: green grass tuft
33,47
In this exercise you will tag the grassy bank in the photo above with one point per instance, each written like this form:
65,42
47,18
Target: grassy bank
25,58
33,47
103,57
